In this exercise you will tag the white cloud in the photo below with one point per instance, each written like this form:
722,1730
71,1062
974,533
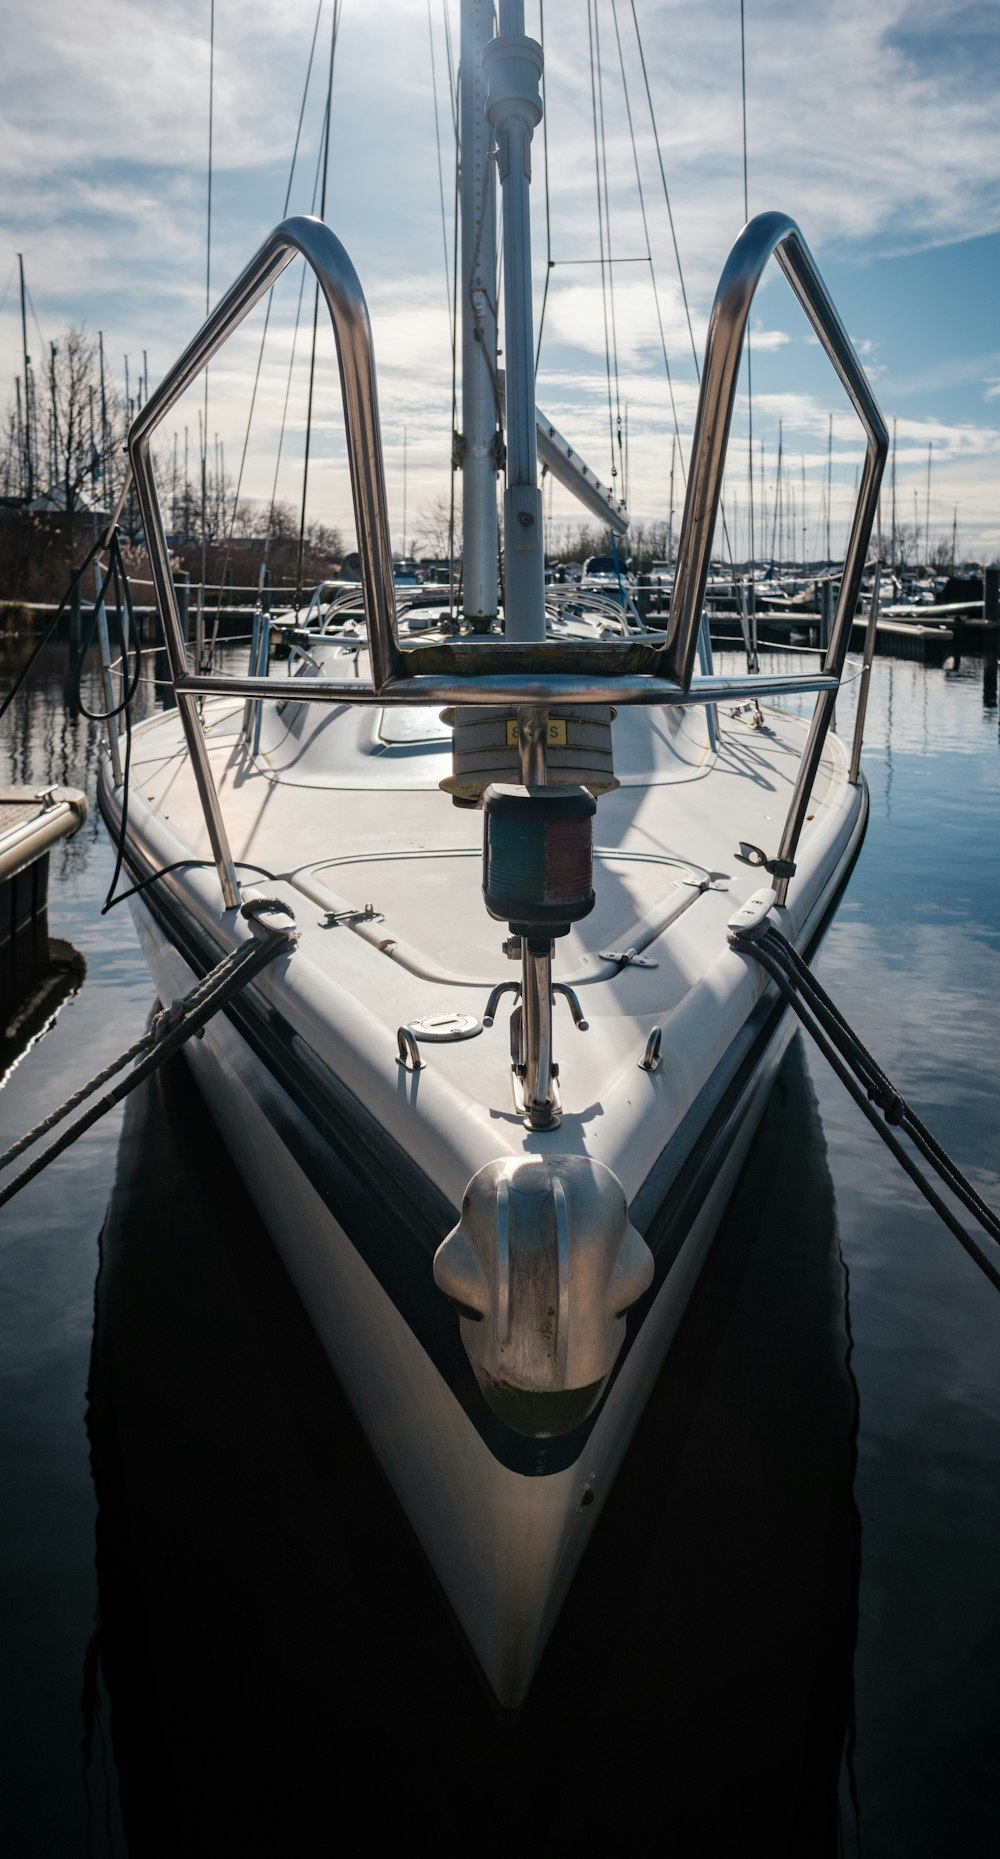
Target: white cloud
766,341
861,124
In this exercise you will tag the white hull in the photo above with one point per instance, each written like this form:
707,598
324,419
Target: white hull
494,1225
503,1543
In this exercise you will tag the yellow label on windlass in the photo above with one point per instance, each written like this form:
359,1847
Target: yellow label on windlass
555,735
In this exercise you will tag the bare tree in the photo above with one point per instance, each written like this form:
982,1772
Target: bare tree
86,424
434,528
905,548
645,543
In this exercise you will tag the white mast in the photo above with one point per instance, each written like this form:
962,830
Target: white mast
513,66
480,422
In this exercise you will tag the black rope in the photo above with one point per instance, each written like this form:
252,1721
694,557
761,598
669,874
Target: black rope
873,1092
879,1087
169,1032
185,864
116,579
37,650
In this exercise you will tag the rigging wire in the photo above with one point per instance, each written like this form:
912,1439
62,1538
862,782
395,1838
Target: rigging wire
649,249
291,367
337,4
437,139
34,317
752,644
452,83
45,348
208,278
455,239
548,210
6,288
666,191
680,268
611,262
600,235
270,294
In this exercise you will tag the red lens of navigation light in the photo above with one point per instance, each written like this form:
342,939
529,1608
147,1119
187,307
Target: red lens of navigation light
538,855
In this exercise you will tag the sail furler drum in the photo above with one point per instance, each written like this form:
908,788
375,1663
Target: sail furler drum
486,749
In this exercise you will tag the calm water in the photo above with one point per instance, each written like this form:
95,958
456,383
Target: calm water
787,1632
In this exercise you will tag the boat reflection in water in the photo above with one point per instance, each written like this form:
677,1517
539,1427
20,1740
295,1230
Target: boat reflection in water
275,1650
38,974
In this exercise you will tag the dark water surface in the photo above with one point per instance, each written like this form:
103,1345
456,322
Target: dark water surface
218,1637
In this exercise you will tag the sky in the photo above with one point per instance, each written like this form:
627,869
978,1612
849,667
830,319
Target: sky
873,123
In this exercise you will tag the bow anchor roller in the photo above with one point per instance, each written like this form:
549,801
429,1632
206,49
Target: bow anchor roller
542,1267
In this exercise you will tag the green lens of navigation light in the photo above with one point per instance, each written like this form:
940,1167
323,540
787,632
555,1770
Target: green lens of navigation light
538,856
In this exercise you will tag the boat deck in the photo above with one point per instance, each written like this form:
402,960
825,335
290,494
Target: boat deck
385,888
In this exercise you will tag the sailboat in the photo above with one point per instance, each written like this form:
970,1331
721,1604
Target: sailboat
492,1096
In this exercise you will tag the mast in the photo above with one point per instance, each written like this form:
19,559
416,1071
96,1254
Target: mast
480,411
106,488
513,68
625,470
829,487
53,421
19,429
29,472
670,518
893,563
775,532
927,509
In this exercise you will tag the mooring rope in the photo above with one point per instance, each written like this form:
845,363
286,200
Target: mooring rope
170,1029
869,1086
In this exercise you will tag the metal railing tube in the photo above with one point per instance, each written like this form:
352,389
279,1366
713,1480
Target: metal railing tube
871,635
545,688
187,704
843,620
345,302
767,234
